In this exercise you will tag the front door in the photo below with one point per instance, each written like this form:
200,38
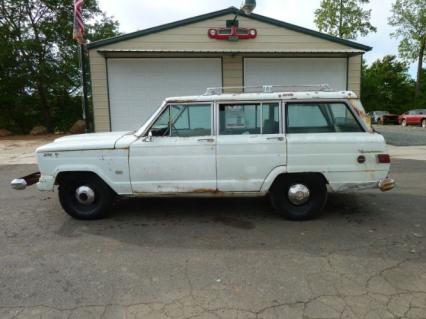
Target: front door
250,144
180,156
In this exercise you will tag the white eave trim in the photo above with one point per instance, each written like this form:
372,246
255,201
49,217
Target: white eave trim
345,51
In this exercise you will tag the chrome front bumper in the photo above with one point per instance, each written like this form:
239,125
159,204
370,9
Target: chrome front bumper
386,184
23,182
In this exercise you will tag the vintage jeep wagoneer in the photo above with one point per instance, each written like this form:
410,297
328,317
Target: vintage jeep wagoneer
292,145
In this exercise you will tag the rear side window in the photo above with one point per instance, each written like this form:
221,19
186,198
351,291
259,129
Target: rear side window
250,118
320,118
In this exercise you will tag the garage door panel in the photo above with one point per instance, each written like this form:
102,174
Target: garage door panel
138,86
296,71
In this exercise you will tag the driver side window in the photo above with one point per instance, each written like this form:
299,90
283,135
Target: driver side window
184,120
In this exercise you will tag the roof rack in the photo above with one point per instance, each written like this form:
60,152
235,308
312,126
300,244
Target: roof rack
268,89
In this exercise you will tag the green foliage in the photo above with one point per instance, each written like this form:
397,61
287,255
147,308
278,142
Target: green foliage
344,18
409,17
39,64
386,85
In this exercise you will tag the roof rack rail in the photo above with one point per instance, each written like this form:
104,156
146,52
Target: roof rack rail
268,89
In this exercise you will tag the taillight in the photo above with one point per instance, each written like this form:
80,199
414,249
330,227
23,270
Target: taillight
383,159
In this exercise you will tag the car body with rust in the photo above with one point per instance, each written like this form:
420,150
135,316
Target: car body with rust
292,146
413,117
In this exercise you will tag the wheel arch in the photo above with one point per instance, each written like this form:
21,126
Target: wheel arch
278,174
63,174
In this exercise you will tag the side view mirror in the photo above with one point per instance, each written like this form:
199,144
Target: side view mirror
148,138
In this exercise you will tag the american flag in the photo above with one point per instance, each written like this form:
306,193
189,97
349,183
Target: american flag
78,32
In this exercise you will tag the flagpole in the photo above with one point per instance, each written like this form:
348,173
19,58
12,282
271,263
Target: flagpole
83,74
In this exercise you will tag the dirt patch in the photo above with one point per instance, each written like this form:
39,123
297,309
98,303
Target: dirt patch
20,149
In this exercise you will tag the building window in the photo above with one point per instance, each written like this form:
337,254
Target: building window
320,118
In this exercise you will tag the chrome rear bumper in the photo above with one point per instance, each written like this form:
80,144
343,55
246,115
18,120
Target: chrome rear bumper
386,184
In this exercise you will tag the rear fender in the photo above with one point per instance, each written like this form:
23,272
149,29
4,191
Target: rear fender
269,180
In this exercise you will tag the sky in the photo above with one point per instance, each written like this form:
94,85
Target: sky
136,15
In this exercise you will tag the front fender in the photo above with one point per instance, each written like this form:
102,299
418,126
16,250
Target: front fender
112,166
120,187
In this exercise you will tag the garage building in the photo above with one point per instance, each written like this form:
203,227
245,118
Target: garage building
131,74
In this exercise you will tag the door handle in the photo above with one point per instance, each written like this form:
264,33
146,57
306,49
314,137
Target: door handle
209,140
278,138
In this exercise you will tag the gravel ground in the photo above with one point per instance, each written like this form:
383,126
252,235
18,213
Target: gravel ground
402,136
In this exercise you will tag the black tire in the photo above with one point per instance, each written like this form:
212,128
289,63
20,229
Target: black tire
101,205
308,210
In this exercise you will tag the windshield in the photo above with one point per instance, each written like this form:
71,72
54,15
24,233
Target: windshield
147,123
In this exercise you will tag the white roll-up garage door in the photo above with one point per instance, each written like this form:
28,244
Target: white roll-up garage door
138,86
296,71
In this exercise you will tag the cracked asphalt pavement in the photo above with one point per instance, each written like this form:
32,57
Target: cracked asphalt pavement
216,258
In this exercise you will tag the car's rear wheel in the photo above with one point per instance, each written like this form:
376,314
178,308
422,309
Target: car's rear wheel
85,196
424,123
299,196
403,123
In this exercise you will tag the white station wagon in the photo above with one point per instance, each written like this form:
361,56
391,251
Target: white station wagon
294,146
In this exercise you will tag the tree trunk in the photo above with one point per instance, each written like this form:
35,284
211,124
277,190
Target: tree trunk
341,20
44,105
420,67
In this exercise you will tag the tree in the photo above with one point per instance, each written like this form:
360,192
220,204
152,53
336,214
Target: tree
345,19
409,16
39,60
387,85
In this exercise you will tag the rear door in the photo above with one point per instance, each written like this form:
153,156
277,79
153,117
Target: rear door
412,117
250,144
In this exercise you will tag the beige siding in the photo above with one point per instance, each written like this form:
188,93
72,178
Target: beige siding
194,37
99,92
232,71
354,74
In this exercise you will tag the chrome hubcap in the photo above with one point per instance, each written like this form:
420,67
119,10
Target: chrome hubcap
298,194
85,195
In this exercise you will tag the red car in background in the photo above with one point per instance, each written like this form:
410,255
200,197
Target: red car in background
383,117
413,117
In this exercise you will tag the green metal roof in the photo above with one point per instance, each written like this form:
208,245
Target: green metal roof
230,10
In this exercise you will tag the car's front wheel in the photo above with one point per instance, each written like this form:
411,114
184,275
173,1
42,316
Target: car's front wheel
424,123
85,196
299,196
403,123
